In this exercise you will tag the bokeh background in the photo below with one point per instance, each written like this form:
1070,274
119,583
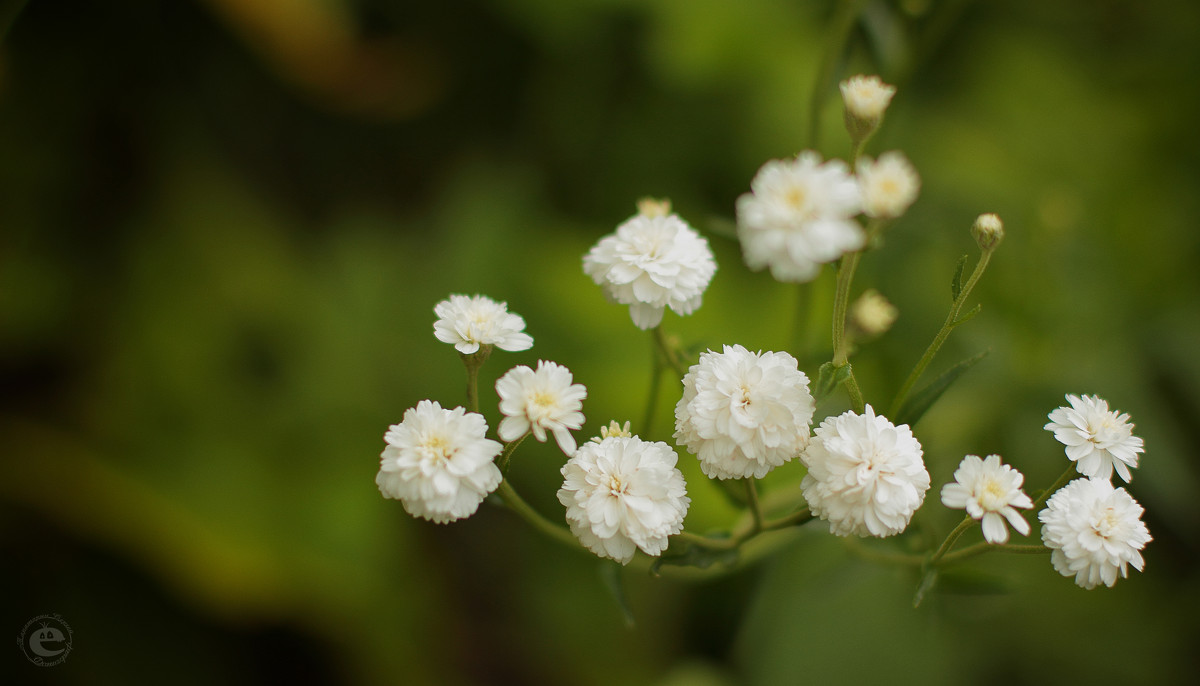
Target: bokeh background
224,226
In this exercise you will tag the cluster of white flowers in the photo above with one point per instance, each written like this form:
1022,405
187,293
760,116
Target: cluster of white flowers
743,413
623,493
540,401
1095,532
438,463
1093,529
652,262
989,491
470,323
866,476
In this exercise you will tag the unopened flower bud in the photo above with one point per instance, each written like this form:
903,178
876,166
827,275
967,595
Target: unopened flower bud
613,430
872,314
653,207
988,231
866,98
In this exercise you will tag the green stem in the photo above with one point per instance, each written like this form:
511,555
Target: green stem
509,448
522,509
657,366
951,322
838,34
841,344
951,538
670,355
1062,481
473,362
985,547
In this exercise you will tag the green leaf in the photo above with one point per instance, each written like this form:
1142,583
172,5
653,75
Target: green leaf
968,316
957,284
828,379
610,576
967,581
920,402
927,583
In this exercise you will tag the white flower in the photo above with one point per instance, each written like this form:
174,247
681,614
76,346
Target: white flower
866,97
541,401
988,231
438,463
865,475
1094,531
653,261
744,413
1097,439
797,216
990,491
472,322
622,492
889,185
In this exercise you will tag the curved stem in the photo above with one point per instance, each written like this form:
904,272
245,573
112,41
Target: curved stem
1059,483
951,322
473,362
985,547
522,509
951,538
509,449
670,355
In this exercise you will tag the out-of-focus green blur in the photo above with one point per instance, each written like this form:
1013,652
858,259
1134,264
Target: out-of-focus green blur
224,226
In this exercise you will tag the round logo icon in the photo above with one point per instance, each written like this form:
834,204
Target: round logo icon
46,640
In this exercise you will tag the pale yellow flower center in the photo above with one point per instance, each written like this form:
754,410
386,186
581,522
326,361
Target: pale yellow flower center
1107,525
993,495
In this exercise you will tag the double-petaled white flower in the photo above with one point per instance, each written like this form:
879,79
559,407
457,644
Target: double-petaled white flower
742,413
540,401
1097,439
623,493
866,476
989,491
798,215
889,185
1095,532
470,323
652,262
438,463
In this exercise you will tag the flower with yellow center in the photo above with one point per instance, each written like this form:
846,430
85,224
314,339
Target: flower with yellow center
989,491
1095,532
541,401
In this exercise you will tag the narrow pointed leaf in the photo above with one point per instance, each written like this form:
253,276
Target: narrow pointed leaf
927,583
828,379
920,402
957,284
610,576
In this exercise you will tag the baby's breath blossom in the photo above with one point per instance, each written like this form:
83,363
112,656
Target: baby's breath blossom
473,322
989,491
623,493
742,413
865,475
889,185
988,231
798,216
1094,531
652,262
1097,439
541,401
866,97
438,463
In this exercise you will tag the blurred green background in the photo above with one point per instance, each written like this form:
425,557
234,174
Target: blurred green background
224,226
